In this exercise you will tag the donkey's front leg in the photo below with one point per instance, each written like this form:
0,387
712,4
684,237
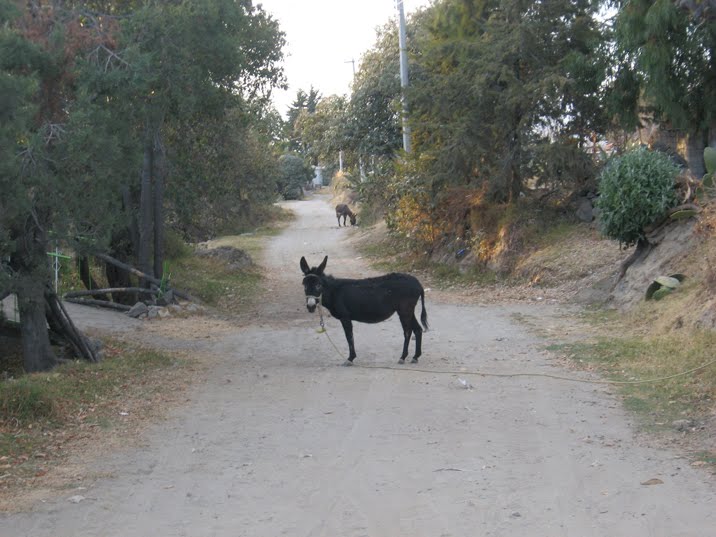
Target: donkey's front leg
348,329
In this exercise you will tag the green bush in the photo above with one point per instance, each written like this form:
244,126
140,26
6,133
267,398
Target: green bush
635,190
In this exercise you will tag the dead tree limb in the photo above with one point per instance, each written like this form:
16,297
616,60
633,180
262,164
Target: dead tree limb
61,322
99,303
144,275
83,341
92,292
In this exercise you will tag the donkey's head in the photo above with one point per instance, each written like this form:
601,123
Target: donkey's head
313,283
353,217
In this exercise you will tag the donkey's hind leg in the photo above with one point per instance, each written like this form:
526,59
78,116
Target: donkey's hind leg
348,329
407,331
418,331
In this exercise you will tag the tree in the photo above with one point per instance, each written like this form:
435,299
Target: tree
374,109
323,133
61,161
504,84
221,169
189,59
304,104
88,99
293,174
664,67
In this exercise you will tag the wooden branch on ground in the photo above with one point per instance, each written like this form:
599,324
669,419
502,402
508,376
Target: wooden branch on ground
83,341
139,273
91,292
99,303
60,321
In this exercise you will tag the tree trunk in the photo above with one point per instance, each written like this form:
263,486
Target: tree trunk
158,175
121,248
83,267
695,144
37,352
132,231
515,157
145,208
642,248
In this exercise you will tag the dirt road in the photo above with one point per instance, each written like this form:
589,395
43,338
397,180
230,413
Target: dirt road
282,440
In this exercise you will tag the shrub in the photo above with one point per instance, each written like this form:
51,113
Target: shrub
635,190
174,245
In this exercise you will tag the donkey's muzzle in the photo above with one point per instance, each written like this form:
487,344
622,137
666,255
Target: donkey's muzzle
311,303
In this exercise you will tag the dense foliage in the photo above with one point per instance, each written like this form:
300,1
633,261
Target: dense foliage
636,190
665,66
120,116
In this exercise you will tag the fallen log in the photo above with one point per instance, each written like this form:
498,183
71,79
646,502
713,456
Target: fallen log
92,292
139,273
60,321
98,303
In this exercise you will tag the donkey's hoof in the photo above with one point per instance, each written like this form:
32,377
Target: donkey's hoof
414,361
347,363
401,361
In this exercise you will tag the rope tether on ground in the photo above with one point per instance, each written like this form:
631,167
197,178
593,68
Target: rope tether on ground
508,375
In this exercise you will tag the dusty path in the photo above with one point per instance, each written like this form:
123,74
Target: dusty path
281,440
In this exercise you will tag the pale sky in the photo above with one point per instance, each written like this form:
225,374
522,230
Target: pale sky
323,36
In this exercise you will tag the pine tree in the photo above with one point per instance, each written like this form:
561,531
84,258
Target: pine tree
665,67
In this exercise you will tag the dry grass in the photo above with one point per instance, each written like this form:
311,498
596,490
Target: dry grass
45,416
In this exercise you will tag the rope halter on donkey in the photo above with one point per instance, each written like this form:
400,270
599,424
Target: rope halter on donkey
314,301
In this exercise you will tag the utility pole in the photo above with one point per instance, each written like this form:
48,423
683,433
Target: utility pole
353,63
403,76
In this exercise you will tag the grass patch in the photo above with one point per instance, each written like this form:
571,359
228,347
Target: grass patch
40,412
648,357
213,282
229,290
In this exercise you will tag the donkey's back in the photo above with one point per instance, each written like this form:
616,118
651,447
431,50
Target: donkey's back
372,300
343,211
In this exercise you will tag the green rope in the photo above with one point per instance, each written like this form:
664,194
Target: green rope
509,375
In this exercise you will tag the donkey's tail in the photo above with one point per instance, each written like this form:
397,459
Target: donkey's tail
424,314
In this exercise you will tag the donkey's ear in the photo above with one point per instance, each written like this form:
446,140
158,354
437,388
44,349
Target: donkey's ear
304,266
322,265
